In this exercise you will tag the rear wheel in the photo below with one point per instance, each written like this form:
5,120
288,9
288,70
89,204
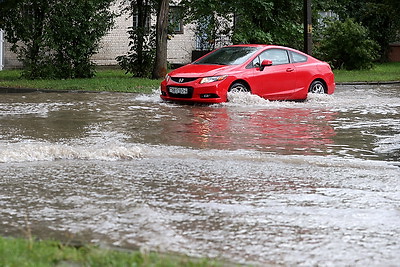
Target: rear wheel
238,87
317,87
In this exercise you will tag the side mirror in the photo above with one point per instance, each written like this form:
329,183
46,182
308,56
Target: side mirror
265,63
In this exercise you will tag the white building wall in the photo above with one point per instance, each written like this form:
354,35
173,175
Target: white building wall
10,60
180,46
115,43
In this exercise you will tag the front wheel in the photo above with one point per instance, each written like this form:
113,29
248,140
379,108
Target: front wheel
317,87
238,88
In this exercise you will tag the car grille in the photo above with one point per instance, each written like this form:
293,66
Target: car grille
182,80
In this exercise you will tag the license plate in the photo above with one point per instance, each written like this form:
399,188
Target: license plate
179,90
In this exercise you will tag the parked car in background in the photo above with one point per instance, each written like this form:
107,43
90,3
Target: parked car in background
270,71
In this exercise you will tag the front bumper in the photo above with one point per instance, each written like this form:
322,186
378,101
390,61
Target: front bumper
215,92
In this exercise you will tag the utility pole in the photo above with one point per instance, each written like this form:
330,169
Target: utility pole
1,49
307,27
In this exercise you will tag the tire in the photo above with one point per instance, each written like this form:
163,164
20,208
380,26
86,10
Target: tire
238,87
317,87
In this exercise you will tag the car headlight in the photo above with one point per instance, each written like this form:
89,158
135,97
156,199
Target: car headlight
167,77
213,79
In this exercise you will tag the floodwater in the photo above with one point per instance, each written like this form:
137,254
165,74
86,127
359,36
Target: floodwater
251,181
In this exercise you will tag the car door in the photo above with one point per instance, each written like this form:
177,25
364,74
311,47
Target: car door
275,82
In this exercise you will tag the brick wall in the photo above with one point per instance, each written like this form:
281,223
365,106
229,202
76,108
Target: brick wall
180,46
115,43
10,59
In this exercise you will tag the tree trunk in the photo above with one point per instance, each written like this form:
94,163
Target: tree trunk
160,64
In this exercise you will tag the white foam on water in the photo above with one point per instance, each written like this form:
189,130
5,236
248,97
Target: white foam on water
388,145
154,97
46,151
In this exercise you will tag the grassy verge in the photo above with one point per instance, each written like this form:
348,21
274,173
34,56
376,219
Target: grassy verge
117,81
105,80
21,252
380,73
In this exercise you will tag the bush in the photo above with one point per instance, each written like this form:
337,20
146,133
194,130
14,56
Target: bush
347,45
55,39
140,58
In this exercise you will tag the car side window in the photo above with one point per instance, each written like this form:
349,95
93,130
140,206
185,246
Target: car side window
256,63
297,58
277,56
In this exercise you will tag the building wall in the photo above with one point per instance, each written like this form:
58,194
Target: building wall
115,43
180,46
10,58
394,52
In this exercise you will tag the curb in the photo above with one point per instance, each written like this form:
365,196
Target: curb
368,83
13,90
32,90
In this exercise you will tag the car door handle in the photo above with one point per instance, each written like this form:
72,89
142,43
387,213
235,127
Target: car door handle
290,69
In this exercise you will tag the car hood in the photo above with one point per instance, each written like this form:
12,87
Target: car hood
198,71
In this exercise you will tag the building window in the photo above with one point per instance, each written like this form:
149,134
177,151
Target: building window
135,22
176,20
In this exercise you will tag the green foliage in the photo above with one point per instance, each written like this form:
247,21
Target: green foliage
76,29
213,20
56,39
384,72
20,252
105,80
346,45
272,21
256,21
140,58
380,17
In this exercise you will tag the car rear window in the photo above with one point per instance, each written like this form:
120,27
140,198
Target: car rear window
298,57
228,56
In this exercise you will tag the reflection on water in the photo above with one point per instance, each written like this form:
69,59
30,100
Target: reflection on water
253,181
283,129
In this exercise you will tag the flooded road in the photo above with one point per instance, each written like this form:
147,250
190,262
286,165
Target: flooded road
251,181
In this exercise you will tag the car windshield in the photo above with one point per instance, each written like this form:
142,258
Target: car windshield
228,56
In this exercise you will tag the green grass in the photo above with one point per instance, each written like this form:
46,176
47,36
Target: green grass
115,80
380,73
21,252
105,80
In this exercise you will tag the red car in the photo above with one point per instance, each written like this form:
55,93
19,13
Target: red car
270,71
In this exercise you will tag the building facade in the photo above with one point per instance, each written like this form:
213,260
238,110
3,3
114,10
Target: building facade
115,43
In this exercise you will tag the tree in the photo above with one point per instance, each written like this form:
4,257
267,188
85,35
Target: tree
347,45
25,26
256,21
147,56
380,17
140,58
213,20
160,64
272,21
56,38
74,46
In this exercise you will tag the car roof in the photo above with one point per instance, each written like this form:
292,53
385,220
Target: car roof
249,45
260,46
263,46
